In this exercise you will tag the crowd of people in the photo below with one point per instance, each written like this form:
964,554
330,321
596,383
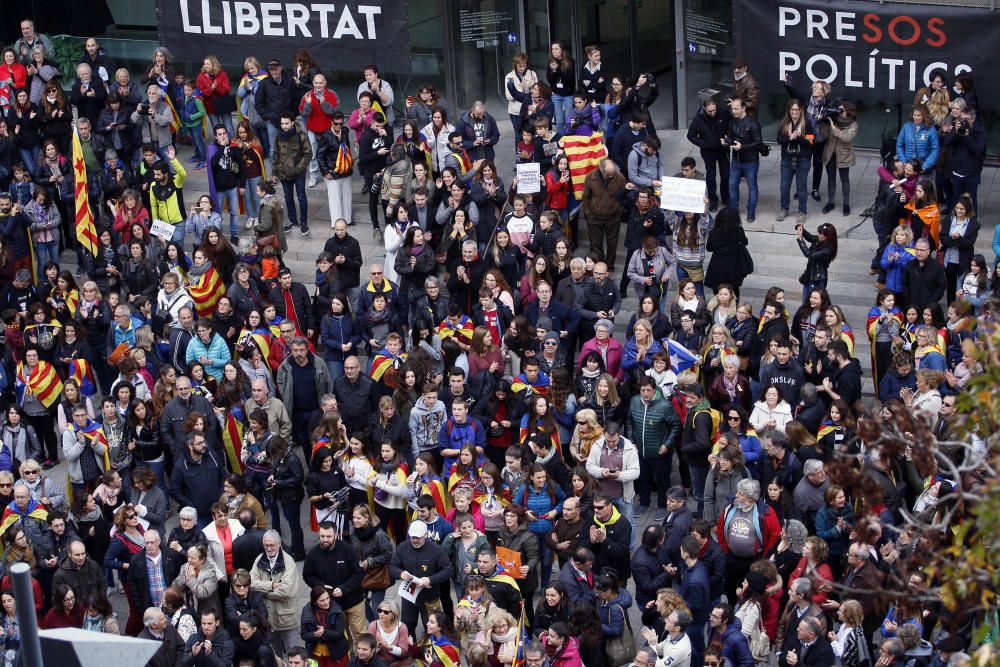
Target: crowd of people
471,428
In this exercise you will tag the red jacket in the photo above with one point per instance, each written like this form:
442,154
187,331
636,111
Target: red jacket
556,191
319,117
770,531
209,91
17,72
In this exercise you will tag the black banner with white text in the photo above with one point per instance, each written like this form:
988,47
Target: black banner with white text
341,35
876,52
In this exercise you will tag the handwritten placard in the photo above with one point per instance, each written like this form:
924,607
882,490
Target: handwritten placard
683,194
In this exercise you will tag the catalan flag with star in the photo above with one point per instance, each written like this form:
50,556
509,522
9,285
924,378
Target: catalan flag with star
41,383
86,233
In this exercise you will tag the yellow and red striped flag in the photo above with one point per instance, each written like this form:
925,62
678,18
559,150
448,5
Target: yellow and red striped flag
584,155
86,233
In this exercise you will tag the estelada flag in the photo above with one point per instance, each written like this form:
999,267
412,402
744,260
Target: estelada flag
86,233
206,292
12,516
232,438
584,155
43,384
81,371
465,328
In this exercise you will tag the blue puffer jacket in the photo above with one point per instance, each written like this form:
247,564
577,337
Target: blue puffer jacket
612,614
918,142
216,350
336,330
540,503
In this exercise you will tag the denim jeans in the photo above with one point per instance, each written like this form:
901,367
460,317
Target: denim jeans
29,156
737,172
563,106
233,197
251,201
198,143
336,368
299,185
272,135
545,555
699,475
313,164
45,252
799,168
226,119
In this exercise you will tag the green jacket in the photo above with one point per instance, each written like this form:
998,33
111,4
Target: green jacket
651,426
291,155
451,546
271,220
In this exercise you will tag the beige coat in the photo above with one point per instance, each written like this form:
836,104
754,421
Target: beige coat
841,142
524,86
283,605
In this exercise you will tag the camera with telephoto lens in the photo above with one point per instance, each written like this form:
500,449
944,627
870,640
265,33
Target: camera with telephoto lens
830,109
142,109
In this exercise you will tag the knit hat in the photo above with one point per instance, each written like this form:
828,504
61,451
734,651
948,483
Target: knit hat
544,323
552,335
757,582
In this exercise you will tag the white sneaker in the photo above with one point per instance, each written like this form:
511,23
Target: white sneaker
312,181
250,223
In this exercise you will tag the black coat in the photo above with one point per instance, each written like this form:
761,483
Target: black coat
707,132
336,567
247,547
818,259
727,264
923,285
138,576
357,402
349,272
614,550
333,632
288,478
274,98
300,302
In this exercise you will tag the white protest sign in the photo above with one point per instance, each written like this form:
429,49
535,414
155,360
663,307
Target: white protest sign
162,230
683,194
529,178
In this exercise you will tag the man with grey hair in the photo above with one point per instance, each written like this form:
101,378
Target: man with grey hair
150,571
29,41
275,576
180,406
569,292
278,421
479,132
467,277
301,379
862,581
534,654
808,493
157,628
88,97
674,649
812,648
603,194
747,530
800,605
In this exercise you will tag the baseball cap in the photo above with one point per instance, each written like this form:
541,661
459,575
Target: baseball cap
273,62
418,529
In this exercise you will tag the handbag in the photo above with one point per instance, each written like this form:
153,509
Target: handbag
344,163
376,579
269,240
224,104
746,261
621,649
377,179
760,644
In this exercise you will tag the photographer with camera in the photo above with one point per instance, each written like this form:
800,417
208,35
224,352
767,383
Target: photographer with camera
796,154
154,118
965,137
840,128
814,103
708,127
744,142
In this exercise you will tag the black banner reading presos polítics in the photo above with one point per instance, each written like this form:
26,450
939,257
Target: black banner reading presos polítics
866,50
340,35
